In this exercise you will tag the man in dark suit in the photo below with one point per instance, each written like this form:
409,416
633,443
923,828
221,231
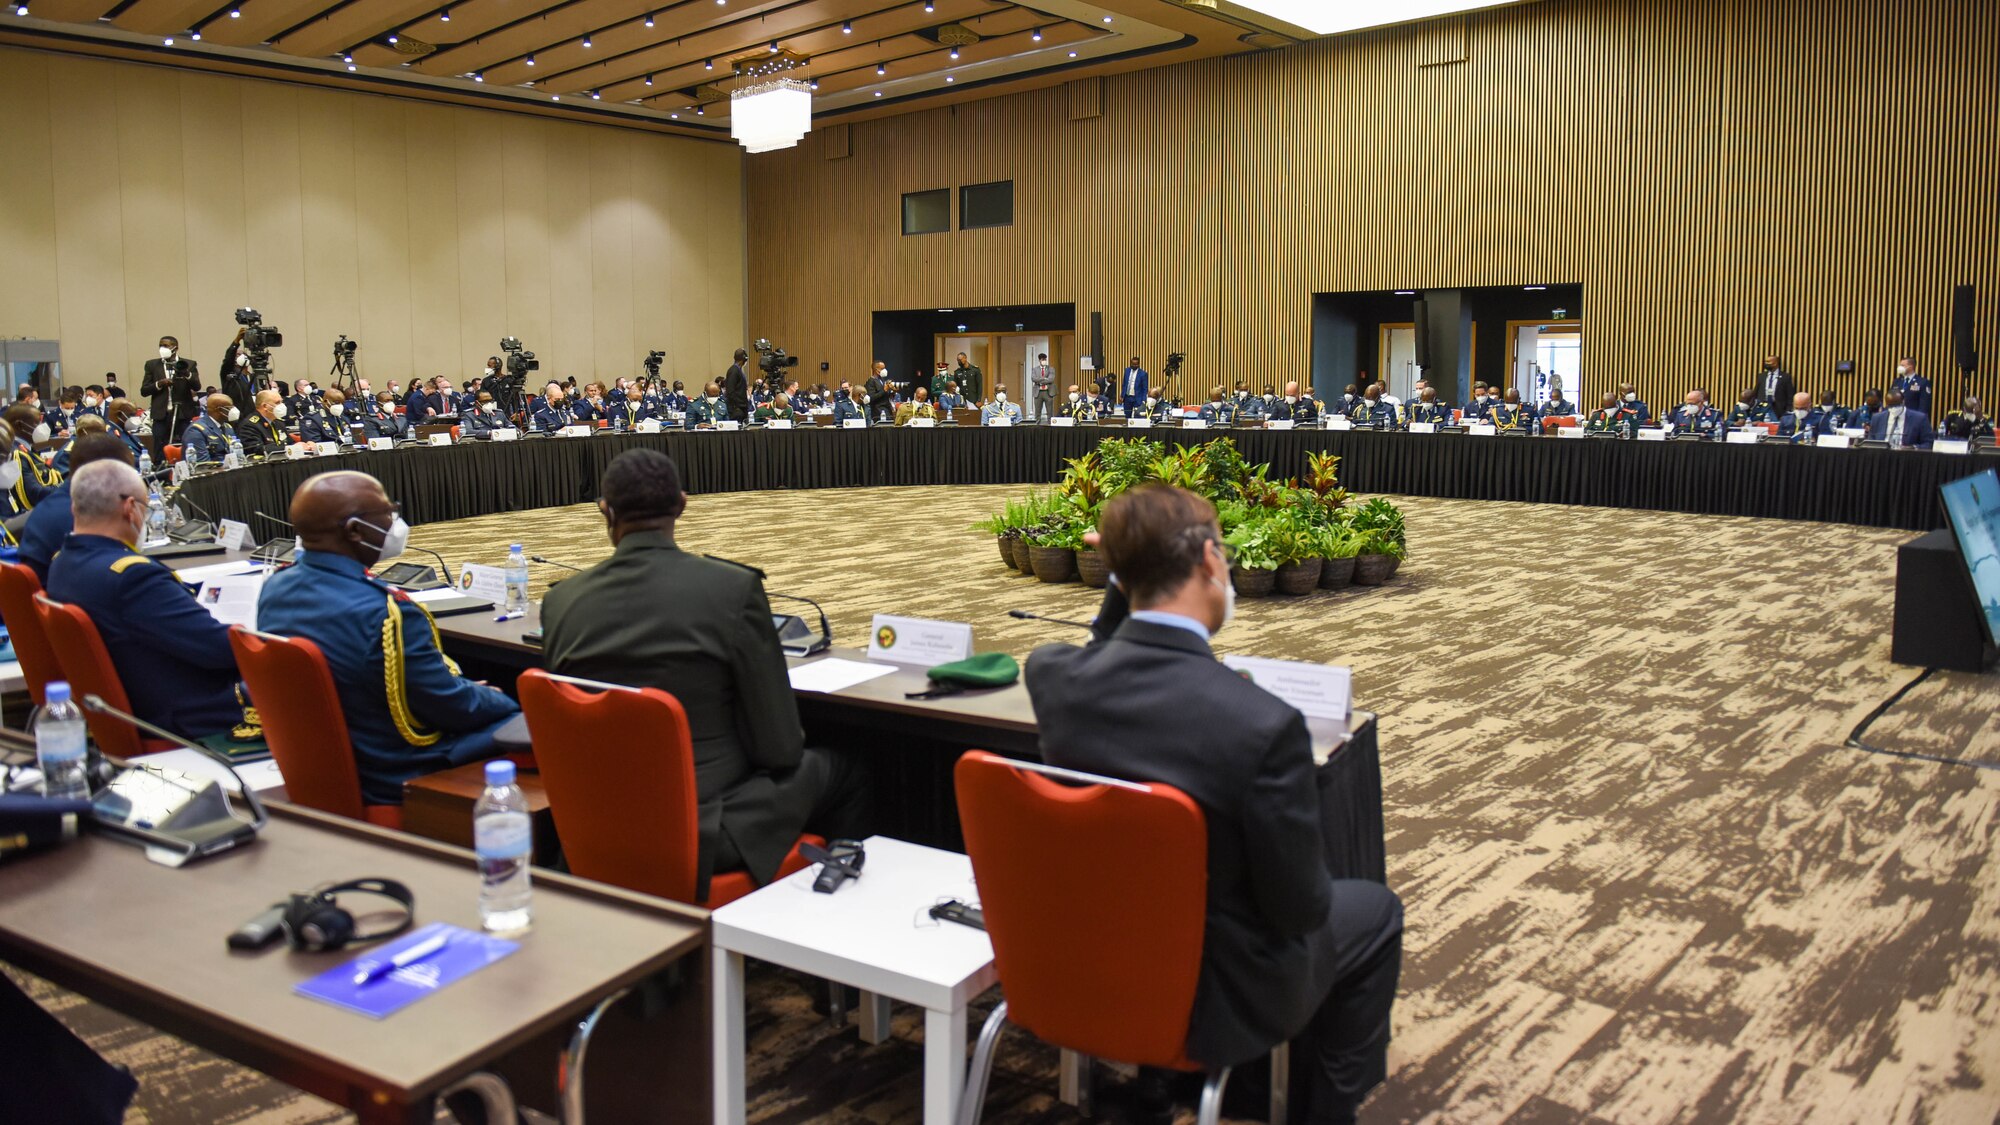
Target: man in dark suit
170,384
1774,385
736,390
1287,949
1132,387
1901,426
880,406
653,615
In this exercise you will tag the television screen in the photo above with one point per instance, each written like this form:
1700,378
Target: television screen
1972,508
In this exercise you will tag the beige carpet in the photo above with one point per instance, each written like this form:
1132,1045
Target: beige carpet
1644,881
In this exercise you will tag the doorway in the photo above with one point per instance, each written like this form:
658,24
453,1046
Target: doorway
1544,355
1005,357
1399,360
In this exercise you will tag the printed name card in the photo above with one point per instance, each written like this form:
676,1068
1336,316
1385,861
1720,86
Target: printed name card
328,449
854,424
1423,427
1482,429
1652,435
729,426
1319,691
1280,424
1062,421
773,424
1194,423
298,451
381,443
918,640
488,582
1000,420
1571,432
231,534
1834,441
1742,437
1139,423
1951,445
580,429
923,423
441,439
1339,422
648,426
509,433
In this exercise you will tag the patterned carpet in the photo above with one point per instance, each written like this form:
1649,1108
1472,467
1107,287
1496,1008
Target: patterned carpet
1645,882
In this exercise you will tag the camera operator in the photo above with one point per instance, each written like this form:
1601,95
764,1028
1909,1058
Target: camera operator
235,372
736,389
881,406
170,384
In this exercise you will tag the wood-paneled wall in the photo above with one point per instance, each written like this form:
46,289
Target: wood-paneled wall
138,201
1809,177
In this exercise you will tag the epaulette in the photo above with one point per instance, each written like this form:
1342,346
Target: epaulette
733,562
128,562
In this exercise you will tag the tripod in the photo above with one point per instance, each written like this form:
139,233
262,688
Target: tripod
342,374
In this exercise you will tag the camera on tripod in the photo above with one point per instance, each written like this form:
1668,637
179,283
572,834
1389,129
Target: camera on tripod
258,340
518,361
343,348
652,364
1174,361
773,362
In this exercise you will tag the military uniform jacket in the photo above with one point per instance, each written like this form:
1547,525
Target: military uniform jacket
42,536
173,658
1434,412
1250,408
259,435
908,411
1741,415
994,410
970,380
438,720
322,425
37,480
1792,426
1514,417
845,409
716,651
1304,412
705,411
1217,413
546,417
1374,414
1962,428
205,440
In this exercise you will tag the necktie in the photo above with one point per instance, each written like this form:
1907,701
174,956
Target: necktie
1896,429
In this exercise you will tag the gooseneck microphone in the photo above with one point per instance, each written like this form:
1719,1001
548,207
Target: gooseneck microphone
552,562
1024,615
286,524
825,632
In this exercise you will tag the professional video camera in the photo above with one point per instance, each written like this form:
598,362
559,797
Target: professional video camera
652,364
519,362
343,348
258,340
505,387
1174,361
343,374
773,362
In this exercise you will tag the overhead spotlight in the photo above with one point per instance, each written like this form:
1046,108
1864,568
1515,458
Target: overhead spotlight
813,86
880,69
393,41
708,64
350,67
236,13
478,77
586,41
1072,54
170,40
954,52
929,7
702,111
949,78
774,46
674,116
555,97
847,29
531,60
649,80
596,96
444,16
878,93
1107,19
347,58
1037,37
195,35
21,9
649,19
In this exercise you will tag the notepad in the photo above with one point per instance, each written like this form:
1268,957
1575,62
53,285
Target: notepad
835,674
465,952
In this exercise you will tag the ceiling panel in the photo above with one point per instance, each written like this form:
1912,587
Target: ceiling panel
162,17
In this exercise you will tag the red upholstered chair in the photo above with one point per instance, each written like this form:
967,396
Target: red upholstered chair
1095,894
18,587
292,689
618,764
1552,424
1770,428
173,458
454,433
87,665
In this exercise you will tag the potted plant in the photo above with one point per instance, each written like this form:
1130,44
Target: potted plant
1124,462
1375,558
1338,548
1295,545
1052,550
1253,569
1380,523
1002,526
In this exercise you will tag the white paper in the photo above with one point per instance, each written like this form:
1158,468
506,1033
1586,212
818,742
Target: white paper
833,674
580,429
918,640
773,424
649,426
1423,427
1741,437
298,451
196,575
1088,364
507,433
437,594
1000,420
1951,445
231,534
1482,429
257,775
1194,423
380,443
1139,423
1833,441
327,449
725,427
489,582
232,598
922,423
442,438
1317,690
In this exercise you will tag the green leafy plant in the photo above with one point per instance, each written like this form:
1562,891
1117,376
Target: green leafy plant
1292,536
1259,492
1250,546
1183,468
1124,462
1336,542
1378,542
1227,470
1378,516
1083,481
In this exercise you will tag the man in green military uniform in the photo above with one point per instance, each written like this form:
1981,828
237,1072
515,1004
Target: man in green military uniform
969,379
714,649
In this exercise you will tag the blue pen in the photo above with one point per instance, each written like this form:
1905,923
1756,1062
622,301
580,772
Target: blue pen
512,616
375,970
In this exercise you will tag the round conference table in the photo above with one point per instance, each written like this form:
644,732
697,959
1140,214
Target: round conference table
1874,487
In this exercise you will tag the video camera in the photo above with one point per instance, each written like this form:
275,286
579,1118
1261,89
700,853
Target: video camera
652,364
258,340
343,348
1174,361
518,361
773,362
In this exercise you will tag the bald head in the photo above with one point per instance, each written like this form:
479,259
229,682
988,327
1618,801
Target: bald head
329,510
218,407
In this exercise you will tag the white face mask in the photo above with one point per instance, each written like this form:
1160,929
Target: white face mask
234,414
166,353
1000,397
491,408
1633,397
242,359
1073,396
394,541
90,400
41,433
10,472
1291,398
279,411
133,423
1151,399
338,409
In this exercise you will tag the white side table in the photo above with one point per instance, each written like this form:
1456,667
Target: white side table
873,934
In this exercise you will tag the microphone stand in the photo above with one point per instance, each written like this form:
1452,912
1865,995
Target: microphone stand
1024,615
189,849
825,632
552,562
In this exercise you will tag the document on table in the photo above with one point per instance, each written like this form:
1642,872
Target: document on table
257,775
440,594
196,575
232,598
835,674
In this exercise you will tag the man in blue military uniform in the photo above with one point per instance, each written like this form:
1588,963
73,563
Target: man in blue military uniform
1249,407
1830,415
1370,410
1480,404
1629,395
1217,411
846,408
951,399
1511,415
51,521
1749,410
380,420
1298,409
1427,408
631,408
481,417
331,423
1871,405
1556,406
1000,408
1694,416
1915,388
1799,424
408,710
1967,423
552,412
591,407
172,657
207,438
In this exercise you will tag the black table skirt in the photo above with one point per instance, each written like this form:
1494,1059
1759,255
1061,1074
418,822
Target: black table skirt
1875,487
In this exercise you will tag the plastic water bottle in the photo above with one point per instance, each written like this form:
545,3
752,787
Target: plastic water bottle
60,745
235,453
156,517
517,580
145,463
502,835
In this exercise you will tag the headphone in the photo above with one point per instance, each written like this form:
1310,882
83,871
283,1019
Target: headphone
314,921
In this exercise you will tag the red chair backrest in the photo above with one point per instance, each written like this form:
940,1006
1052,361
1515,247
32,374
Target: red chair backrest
87,665
173,453
1095,897
1769,427
618,765
18,587
292,689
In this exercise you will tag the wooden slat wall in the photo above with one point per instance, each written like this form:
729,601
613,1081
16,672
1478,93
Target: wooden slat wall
139,201
1724,179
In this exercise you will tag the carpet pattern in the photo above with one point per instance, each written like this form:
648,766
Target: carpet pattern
1644,880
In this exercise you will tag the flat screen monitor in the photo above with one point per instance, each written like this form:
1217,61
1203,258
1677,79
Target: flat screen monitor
1972,509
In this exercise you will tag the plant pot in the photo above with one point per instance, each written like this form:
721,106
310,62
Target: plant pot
1253,583
1020,549
1297,578
1007,552
1336,573
1395,564
1053,564
1092,569
1373,570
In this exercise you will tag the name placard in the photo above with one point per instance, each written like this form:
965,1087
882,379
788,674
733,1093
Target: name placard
1280,424
1571,432
327,449
1339,422
1482,429
999,419
648,426
1742,437
1652,435
918,640
923,423
505,433
1834,441
489,582
854,424
1423,427
729,426
1317,690
441,439
298,451
1951,445
381,443
1062,421
231,534
1139,423
1194,423
580,429
776,424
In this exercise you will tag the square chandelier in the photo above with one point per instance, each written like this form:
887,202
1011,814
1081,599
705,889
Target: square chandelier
772,114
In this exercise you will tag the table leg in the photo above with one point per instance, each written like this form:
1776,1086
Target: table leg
730,1092
944,1065
874,1018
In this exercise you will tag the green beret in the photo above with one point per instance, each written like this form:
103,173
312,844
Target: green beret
980,670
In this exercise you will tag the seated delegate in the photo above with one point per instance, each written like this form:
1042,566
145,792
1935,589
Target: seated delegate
52,520
715,650
1288,949
173,658
408,710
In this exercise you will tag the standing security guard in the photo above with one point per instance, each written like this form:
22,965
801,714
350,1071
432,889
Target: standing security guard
970,379
207,440
408,710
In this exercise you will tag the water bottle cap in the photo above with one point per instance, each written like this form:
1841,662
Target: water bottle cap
515,549
58,692
499,771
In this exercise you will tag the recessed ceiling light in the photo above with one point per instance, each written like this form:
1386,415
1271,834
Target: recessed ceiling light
444,16
1107,19
1406,292
1322,18
878,93
847,29
21,10
586,41
674,116
170,40
1038,35
531,60
649,19
949,78
555,97
392,41
1533,288
929,7
814,85
702,111
1072,54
